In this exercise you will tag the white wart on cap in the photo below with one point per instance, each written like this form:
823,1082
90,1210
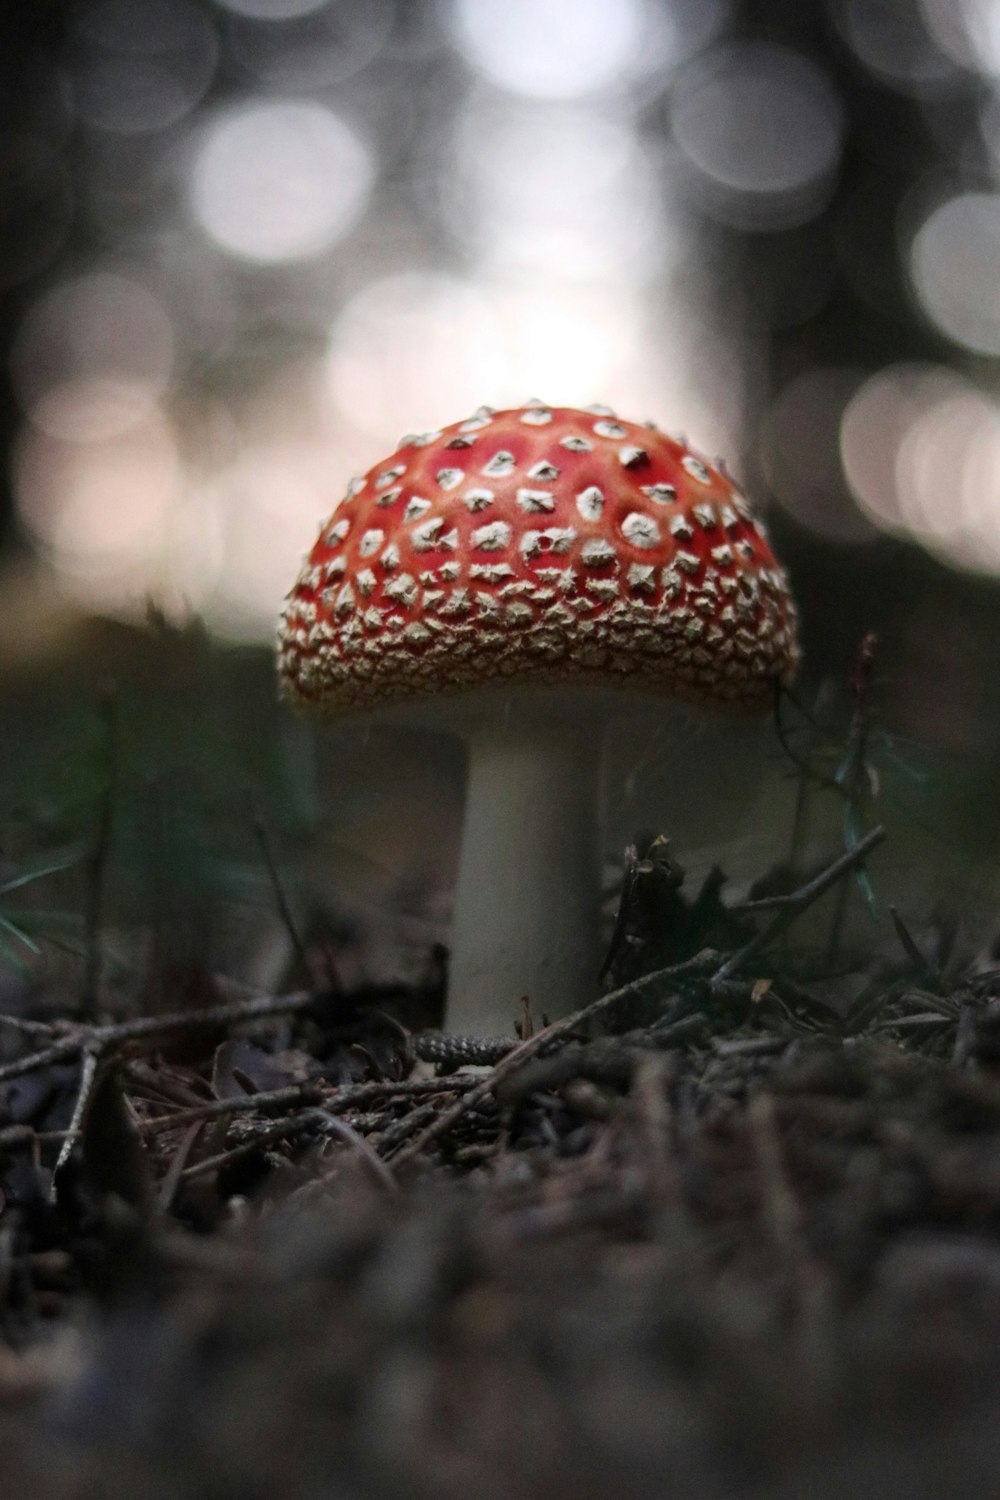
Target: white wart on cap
539,544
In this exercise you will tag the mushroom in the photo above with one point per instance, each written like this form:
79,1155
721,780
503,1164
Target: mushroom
491,563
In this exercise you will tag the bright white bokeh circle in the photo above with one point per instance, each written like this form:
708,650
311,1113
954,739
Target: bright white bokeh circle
920,445
955,269
418,350
559,188
551,49
100,511
948,476
280,180
875,422
422,348
967,30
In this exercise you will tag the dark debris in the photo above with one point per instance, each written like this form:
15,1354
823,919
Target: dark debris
710,1237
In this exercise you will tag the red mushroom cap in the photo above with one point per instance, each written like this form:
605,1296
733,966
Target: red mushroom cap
539,544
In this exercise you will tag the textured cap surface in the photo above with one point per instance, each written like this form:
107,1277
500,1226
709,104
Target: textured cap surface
539,544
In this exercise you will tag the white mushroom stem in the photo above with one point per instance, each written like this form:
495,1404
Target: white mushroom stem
527,906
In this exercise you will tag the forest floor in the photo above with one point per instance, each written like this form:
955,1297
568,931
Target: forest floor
731,1230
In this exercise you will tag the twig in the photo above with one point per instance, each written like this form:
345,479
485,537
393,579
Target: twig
171,1182
348,1096
398,1131
622,912
914,1023
96,867
792,905
854,775
376,1166
800,820
698,966
837,921
213,1109
277,885
106,1038
88,1079
909,945
802,764
31,1028
282,1130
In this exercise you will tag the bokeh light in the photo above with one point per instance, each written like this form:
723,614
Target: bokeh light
273,10
921,451
561,189
801,459
101,509
405,210
760,128
948,473
955,266
580,49
279,180
195,287
141,65
262,511
130,519
875,421
398,334
93,356
552,49
967,30
417,350
315,48
892,40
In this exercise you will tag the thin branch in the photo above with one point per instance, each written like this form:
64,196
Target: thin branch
96,868
213,1109
284,1130
348,1096
277,885
106,1038
802,764
84,1094
171,1182
622,912
799,901
370,1159
697,967
281,1130
31,1028
909,946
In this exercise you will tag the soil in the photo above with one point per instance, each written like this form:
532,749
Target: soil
730,1231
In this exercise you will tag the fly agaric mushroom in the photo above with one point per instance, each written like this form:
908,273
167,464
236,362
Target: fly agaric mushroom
510,553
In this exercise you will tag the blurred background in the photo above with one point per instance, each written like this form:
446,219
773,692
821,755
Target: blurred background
246,244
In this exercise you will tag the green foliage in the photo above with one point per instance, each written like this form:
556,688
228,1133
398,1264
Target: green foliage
24,929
